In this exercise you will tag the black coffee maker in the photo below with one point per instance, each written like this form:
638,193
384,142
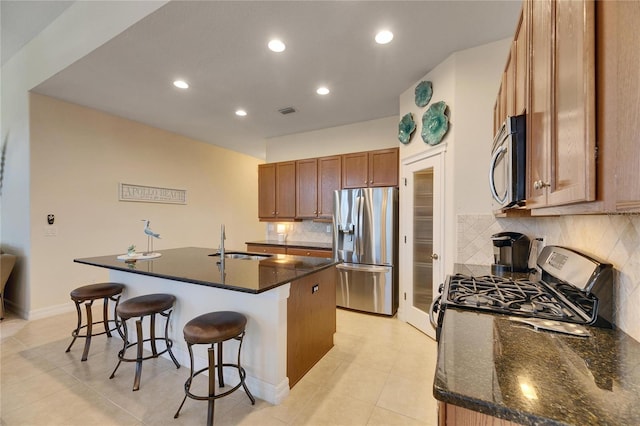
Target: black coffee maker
510,252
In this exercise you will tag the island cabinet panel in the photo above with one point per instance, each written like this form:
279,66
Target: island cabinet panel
311,322
329,181
562,114
277,191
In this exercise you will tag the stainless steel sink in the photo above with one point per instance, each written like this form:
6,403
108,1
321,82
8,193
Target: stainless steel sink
241,255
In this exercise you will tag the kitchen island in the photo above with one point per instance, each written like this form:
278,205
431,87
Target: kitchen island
289,302
490,366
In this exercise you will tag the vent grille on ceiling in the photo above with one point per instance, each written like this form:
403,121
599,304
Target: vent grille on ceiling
287,110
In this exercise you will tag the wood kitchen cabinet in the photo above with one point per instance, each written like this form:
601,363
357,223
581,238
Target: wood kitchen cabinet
311,321
276,191
316,180
453,415
370,169
294,251
520,55
561,121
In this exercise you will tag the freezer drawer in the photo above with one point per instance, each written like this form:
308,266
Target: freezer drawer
368,288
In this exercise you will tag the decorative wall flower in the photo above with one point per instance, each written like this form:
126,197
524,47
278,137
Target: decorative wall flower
406,128
424,90
435,123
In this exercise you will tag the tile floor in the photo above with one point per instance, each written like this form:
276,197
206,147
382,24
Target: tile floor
380,372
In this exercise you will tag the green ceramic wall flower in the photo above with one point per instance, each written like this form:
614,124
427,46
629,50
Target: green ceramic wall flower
423,93
435,123
406,127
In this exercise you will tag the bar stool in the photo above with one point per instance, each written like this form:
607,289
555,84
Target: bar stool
89,293
141,306
212,328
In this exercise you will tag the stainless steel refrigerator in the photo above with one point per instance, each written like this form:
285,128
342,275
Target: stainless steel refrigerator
365,242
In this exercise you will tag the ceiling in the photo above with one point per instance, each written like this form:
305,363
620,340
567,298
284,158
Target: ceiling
220,49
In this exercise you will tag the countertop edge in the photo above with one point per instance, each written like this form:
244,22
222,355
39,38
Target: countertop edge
204,283
293,244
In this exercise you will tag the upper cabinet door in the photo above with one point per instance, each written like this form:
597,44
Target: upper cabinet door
354,170
329,180
307,188
539,119
267,191
573,167
286,189
521,49
383,167
561,125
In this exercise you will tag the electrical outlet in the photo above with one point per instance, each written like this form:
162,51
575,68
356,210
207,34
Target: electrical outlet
50,231
542,242
328,228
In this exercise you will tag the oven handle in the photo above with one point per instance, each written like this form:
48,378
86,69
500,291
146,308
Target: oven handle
435,306
492,181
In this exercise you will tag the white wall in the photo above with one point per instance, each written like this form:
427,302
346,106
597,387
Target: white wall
467,81
78,158
363,136
77,31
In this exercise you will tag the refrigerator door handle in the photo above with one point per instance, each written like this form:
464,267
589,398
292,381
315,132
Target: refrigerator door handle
362,268
359,237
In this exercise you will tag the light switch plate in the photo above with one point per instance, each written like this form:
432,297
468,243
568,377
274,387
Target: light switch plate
50,231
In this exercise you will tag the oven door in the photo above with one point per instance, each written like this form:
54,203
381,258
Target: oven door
366,288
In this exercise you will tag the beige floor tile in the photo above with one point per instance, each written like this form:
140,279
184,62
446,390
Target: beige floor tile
356,381
379,372
382,417
410,397
335,410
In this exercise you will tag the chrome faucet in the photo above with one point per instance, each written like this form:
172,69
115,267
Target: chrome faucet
222,238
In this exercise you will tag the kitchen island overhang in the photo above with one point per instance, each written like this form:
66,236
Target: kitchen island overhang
259,289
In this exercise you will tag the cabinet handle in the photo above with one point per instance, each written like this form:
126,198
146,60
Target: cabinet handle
371,181
540,184
434,256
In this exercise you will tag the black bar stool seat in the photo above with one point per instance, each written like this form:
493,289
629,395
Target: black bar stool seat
215,328
139,307
88,294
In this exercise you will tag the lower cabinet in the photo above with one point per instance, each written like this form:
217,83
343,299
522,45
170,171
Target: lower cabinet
311,321
453,415
258,248
271,249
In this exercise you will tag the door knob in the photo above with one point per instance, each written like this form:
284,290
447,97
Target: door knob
434,256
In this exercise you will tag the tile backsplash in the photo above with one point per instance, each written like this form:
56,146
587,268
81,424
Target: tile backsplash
305,231
612,238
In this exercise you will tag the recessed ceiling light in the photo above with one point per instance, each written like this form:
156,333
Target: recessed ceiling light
384,37
241,113
181,84
276,46
322,91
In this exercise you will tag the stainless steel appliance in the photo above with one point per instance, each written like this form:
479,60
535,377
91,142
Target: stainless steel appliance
507,172
510,252
365,241
573,291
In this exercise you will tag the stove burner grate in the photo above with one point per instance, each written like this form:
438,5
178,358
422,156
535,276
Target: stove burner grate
517,297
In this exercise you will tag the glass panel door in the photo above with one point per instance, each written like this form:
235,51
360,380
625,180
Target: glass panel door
421,257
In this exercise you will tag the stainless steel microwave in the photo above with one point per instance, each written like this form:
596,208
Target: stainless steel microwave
507,171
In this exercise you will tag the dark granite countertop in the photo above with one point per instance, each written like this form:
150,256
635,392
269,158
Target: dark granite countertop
294,244
489,364
194,265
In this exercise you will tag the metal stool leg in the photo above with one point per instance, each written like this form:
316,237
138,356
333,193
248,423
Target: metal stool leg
168,341
105,316
136,380
243,373
152,331
212,384
187,384
87,341
75,332
220,375
125,339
